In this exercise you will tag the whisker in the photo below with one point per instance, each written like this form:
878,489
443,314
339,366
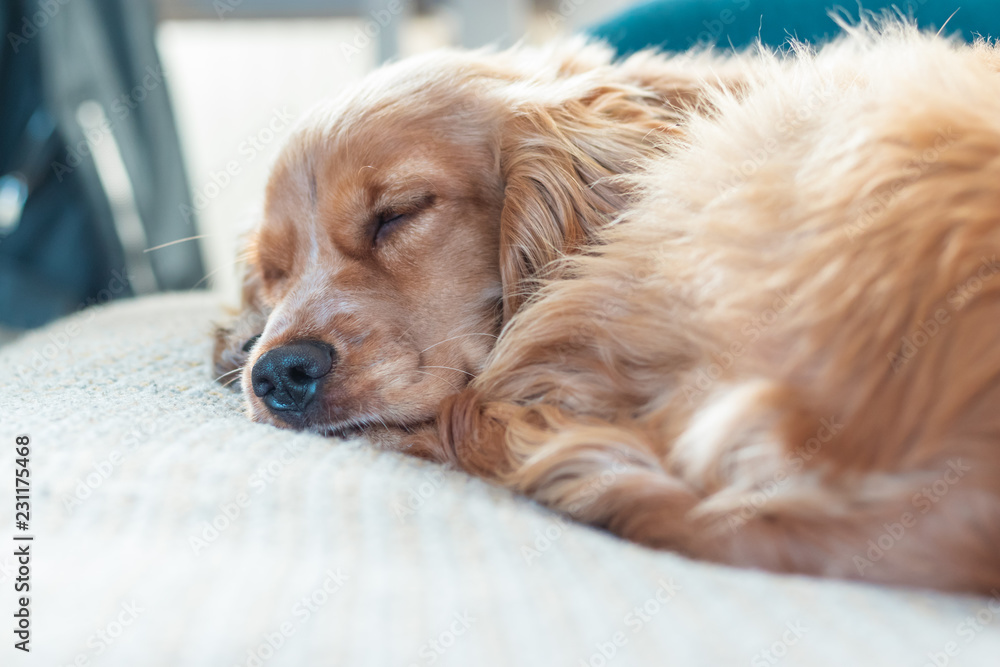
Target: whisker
165,245
452,369
235,370
947,22
239,260
211,273
438,377
454,337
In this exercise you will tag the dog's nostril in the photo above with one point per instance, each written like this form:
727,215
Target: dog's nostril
262,387
287,377
299,375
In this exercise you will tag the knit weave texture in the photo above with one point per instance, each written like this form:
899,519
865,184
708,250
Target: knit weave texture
171,531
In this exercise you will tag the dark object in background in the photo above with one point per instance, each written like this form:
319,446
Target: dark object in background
90,164
677,25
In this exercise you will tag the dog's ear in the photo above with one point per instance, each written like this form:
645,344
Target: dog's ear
234,340
557,164
559,154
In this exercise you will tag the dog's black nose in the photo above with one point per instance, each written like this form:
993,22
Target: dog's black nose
287,377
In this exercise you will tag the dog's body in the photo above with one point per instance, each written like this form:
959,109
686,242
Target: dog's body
783,355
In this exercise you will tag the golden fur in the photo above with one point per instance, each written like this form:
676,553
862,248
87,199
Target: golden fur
782,355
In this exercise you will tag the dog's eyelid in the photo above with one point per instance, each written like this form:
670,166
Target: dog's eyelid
274,275
390,217
386,223
386,218
407,206
271,266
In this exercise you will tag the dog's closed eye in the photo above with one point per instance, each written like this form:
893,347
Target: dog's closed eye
392,218
385,224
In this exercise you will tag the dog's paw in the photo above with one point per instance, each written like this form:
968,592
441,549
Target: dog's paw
233,344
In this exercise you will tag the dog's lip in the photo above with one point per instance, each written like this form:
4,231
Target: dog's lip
341,430
356,426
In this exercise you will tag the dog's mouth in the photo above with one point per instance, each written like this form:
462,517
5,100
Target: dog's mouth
348,429
357,426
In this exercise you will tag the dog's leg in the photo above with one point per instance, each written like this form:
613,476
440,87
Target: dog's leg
233,342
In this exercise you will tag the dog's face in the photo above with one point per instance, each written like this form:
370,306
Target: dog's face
378,260
406,223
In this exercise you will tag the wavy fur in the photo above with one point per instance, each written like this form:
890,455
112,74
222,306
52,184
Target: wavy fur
784,353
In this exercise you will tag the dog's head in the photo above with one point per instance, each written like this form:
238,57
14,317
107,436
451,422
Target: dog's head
404,224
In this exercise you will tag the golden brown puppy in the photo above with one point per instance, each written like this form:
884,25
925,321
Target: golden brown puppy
407,222
784,355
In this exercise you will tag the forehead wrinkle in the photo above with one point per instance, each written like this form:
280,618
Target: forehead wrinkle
377,178
406,176
374,187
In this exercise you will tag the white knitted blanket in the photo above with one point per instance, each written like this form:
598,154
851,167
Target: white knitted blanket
169,530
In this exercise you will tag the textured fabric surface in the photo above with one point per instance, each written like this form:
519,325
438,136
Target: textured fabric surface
342,555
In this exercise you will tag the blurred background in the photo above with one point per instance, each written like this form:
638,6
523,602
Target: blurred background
136,135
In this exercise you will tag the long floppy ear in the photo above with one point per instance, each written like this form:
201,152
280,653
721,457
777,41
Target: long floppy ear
560,151
234,340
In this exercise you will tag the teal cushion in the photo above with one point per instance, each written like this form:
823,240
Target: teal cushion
676,25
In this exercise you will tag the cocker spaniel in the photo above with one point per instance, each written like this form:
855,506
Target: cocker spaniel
743,308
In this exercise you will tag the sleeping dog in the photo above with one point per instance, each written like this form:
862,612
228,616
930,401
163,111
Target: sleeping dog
743,308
